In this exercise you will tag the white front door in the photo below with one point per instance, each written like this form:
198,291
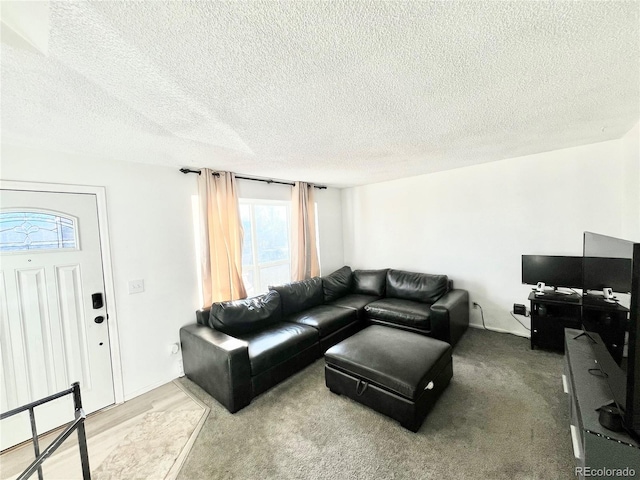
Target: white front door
53,317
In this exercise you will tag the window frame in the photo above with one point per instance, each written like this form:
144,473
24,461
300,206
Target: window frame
75,223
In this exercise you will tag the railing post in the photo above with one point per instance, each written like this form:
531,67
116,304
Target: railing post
82,435
78,423
34,436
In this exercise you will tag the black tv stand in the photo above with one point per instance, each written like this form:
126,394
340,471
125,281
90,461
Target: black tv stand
594,446
551,314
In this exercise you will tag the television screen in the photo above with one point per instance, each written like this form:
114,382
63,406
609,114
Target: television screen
556,271
607,263
615,263
614,273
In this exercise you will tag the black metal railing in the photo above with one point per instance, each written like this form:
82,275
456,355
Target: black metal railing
77,424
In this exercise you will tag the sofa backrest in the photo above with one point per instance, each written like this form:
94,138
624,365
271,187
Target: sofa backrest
298,296
421,287
236,317
370,282
202,316
337,284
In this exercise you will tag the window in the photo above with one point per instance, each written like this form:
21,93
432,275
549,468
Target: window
26,231
266,259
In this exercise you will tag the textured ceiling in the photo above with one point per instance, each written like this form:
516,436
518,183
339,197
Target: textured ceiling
341,93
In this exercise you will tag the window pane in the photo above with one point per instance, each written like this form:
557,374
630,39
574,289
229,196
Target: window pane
20,231
247,250
276,275
247,278
272,232
265,250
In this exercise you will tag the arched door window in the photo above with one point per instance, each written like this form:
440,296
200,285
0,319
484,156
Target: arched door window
37,230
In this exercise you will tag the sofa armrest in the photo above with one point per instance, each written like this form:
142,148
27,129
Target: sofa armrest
450,316
219,363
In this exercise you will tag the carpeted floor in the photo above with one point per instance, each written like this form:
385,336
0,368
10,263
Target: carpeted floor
504,416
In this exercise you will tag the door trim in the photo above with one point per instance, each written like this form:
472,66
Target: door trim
105,247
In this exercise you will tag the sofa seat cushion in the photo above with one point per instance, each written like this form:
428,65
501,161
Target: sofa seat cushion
326,319
355,301
277,343
402,312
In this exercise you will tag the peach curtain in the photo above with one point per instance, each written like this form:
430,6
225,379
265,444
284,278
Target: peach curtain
220,238
304,251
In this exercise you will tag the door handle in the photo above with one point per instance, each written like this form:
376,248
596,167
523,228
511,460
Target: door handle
99,319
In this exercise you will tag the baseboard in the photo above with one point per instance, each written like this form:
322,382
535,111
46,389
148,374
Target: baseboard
500,330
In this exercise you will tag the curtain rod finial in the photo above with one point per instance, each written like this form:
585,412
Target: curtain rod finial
186,170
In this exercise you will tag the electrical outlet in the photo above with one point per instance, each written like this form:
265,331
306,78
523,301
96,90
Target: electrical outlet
136,286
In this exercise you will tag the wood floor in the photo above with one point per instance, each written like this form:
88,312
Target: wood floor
110,428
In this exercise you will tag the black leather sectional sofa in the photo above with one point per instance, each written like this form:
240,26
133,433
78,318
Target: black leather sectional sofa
239,349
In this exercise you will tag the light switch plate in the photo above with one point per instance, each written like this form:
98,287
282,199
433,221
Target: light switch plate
136,286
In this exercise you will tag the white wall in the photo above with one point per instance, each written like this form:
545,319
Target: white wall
474,223
151,235
631,158
331,240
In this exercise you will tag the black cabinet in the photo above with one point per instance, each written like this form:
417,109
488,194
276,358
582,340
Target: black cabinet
551,313
607,320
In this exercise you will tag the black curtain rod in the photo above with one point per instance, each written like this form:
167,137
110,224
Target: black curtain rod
216,174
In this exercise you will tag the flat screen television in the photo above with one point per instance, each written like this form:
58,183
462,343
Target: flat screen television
553,270
623,379
607,272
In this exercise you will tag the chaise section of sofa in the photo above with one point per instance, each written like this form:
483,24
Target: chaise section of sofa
239,349
421,303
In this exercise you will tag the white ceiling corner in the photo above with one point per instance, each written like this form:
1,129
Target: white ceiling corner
341,93
25,24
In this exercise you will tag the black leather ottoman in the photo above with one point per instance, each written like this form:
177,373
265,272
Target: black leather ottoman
397,373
